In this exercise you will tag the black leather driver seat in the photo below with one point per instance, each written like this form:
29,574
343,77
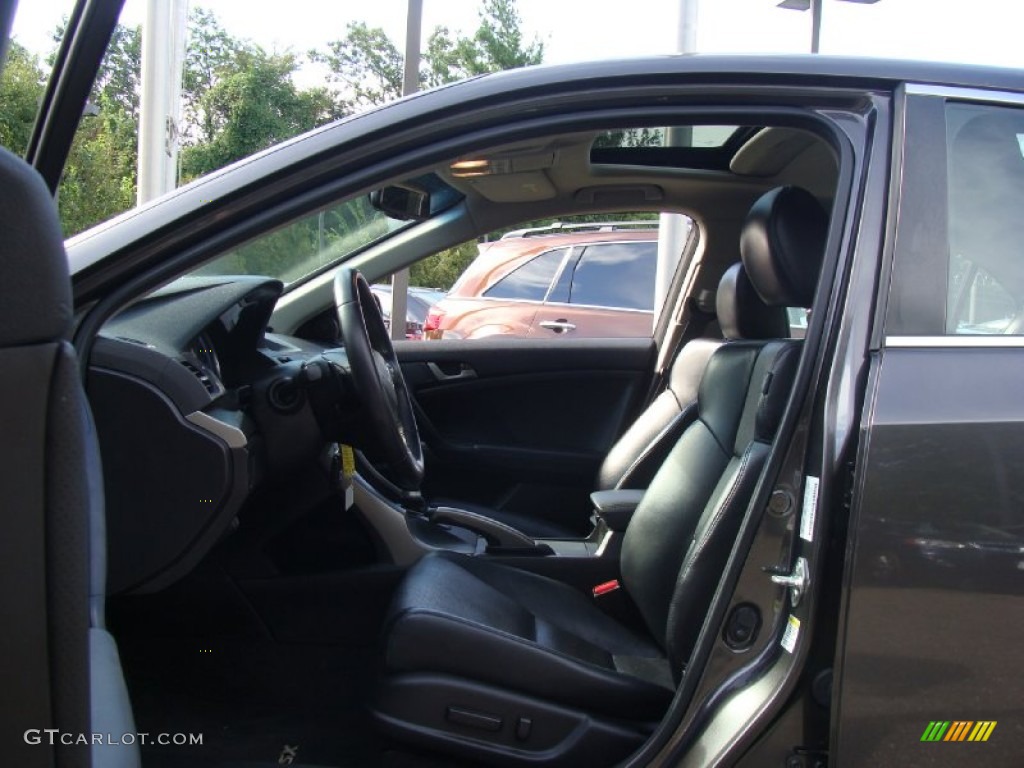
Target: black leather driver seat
503,665
61,667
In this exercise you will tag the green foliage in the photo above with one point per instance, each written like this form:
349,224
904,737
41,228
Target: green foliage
99,179
238,99
631,137
252,106
366,63
210,53
496,45
21,87
117,81
368,66
442,269
305,245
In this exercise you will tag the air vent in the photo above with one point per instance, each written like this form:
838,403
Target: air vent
204,378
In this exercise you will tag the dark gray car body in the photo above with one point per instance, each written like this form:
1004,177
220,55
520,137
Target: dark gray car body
929,421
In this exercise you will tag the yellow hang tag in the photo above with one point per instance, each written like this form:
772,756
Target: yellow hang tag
348,462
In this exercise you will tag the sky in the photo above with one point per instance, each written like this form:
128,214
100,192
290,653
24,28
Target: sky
963,31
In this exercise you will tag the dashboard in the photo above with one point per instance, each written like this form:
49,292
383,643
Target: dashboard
196,406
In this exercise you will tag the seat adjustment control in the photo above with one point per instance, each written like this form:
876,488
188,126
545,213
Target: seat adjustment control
523,726
483,721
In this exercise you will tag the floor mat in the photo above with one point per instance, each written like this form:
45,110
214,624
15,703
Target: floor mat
252,700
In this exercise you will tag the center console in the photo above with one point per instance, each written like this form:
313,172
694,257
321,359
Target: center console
408,535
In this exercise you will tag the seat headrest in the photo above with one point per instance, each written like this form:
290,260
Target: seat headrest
36,303
782,246
742,314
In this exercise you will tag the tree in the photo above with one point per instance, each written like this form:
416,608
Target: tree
366,63
120,73
210,53
442,269
237,99
21,88
368,66
100,176
253,104
496,45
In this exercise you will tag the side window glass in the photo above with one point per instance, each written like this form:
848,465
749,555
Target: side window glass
798,317
529,281
618,275
986,228
978,303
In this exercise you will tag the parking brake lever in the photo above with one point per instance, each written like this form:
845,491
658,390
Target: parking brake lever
497,534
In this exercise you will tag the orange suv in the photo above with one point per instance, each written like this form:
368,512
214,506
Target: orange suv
572,280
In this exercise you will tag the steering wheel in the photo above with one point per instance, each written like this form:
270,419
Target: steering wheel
377,379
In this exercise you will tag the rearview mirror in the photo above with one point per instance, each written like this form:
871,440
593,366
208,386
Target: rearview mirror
402,202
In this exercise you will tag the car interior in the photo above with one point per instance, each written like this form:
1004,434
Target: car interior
325,548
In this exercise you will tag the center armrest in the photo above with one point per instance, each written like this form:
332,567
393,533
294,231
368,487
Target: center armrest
616,507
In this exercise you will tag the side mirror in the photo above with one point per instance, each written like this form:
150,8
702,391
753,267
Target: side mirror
402,202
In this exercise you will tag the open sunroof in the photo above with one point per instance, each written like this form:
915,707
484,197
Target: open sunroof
690,146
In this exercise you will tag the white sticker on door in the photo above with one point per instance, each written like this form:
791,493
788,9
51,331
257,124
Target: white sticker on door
791,634
810,510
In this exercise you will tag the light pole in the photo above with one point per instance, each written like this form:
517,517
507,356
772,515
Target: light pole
163,53
814,6
410,84
673,228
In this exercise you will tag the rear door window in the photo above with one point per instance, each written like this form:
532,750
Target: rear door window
616,276
986,199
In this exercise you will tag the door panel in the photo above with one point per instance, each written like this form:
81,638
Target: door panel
524,425
936,611
931,667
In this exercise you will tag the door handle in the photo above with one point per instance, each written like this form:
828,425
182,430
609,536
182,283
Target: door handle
558,326
464,372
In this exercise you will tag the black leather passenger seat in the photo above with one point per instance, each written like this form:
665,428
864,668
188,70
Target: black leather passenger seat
494,663
641,450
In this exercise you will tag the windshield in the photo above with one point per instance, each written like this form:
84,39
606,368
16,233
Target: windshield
309,244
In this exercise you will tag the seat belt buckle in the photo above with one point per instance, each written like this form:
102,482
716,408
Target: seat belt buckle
606,587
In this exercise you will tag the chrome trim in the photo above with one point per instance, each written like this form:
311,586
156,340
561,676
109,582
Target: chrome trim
233,436
570,252
557,325
954,342
605,541
966,94
465,372
547,303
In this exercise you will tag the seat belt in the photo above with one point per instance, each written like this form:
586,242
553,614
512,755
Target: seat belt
698,318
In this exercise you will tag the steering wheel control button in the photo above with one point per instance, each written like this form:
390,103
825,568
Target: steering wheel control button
482,721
